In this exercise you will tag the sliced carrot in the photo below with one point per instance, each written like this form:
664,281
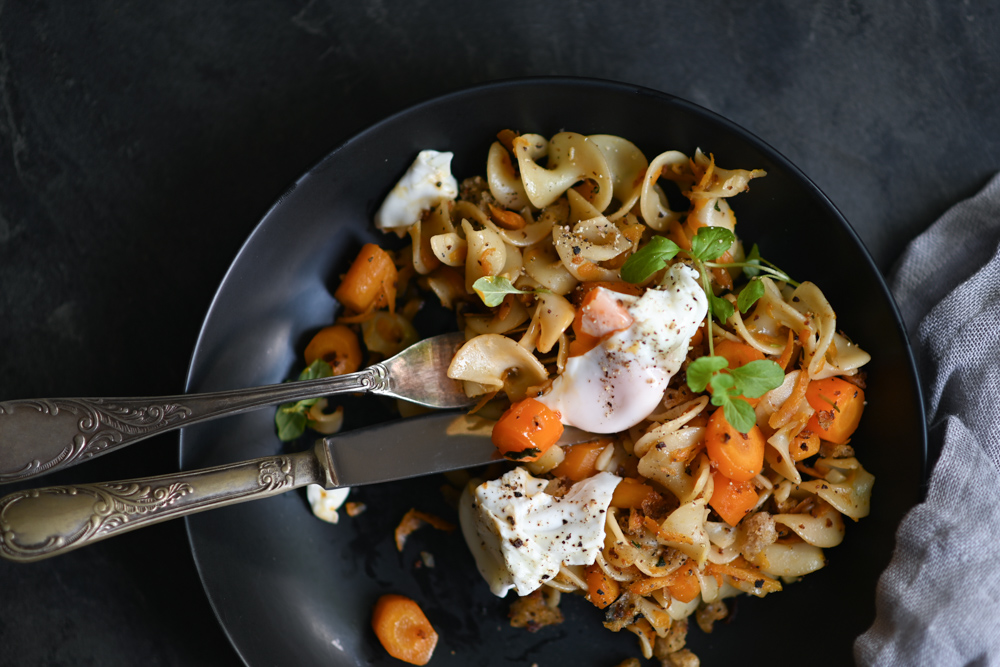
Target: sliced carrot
602,590
602,314
370,282
583,295
581,291
403,629
338,346
732,500
738,456
686,586
527,430
804,445
838,406
631,493
506,219
786,354
580,460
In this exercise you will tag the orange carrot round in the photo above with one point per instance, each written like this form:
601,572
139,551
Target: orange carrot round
403,629
631,493
370,282
838,406
527,430
602,590
338,346
804,445
738,456
686,586
731,500
737,354
579,460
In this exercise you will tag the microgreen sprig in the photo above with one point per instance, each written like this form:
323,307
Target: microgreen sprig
291,418
493,289
728,385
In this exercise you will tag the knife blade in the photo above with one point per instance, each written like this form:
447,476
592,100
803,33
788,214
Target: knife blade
44,522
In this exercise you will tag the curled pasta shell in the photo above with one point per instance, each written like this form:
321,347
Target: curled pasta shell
808,299
486,256
627,165
388,333
505,184
852,496
513,317
553,315
842,358
717,182
450,249
656,211
497,362
543,265
571,158
594,240
822,527
791,560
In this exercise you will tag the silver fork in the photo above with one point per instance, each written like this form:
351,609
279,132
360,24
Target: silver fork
38,436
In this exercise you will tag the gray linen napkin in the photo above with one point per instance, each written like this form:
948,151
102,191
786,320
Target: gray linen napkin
938,602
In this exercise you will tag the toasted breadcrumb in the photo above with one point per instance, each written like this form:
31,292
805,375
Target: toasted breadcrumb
708,614
533,612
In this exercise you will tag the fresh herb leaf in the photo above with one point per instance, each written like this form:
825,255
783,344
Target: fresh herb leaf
701,370
740,415
757,377
651,258
711,243
720,307
493,289
749,295
290,419
752,258
291,422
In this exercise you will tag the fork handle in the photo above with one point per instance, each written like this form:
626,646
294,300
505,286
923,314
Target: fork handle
40,436
39,523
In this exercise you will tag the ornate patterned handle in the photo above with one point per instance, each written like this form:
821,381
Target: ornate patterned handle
38,523
40,436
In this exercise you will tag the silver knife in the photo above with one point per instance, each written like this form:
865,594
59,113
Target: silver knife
44,522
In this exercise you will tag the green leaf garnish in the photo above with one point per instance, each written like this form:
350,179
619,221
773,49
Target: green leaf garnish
752,259
493,289
757,377
701,370
720,307
290,419
740,415
651,258
749,295
711,243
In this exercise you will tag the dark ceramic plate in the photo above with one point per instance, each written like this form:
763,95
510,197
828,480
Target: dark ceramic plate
292,590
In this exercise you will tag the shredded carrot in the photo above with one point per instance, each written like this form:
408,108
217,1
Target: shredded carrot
413,520
602,590
786,354
791,404
666,535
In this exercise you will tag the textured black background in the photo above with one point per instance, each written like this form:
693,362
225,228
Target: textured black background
140,143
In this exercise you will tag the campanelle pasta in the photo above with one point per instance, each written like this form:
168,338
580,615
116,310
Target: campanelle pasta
558,265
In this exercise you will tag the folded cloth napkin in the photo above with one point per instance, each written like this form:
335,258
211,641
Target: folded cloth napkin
938,602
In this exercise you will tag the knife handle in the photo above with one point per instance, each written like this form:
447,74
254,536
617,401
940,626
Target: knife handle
44,435
39,523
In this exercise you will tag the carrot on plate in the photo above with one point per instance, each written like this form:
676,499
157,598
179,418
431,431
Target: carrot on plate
686,585
631,494
579,460
602,590
527,430
737,355
838,406
338,346
738,456
586,294
732,500
370,282
403,629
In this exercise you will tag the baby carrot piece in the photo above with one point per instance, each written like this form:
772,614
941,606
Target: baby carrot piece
527,430
738,456
579,461
686,586
370,282
404,631
337,346
602,590
732,500
838,406
737,354
631,493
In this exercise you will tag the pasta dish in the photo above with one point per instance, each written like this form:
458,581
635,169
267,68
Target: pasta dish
607,291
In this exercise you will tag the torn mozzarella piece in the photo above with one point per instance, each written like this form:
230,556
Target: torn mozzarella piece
427,182
617,384
520,535
325,503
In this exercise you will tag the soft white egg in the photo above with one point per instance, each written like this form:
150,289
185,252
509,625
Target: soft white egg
617,384
520,535
427,182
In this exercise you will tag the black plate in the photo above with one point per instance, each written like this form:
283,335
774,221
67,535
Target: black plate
292,590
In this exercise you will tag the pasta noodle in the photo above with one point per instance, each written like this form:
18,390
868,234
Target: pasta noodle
559,225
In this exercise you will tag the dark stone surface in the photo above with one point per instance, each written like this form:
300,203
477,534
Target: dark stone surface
140,143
